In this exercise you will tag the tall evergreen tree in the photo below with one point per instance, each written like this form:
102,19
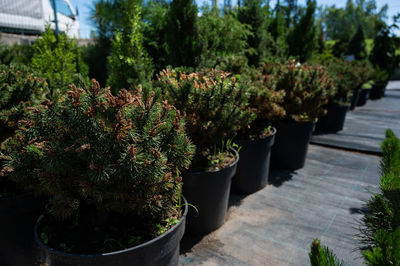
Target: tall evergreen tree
302,38
256,15
182,33
129,63
357,45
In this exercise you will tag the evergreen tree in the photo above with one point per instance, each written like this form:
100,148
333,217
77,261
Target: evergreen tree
59,59
383,54
220,36
277,29
254,14
357,46
302,38
182,33
129,63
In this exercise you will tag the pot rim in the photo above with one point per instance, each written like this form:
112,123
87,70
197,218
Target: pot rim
73,255
261,138
214,171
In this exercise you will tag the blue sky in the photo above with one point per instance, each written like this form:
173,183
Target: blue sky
84,7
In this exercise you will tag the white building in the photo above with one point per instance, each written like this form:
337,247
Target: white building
32,16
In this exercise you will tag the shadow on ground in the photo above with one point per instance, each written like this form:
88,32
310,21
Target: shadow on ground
278,176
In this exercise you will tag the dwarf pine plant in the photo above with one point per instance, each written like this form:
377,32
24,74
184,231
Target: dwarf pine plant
345,79
19,87
307,88
104,155
265,100
213,103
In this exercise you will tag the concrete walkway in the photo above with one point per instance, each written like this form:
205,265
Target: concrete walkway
276,225
324,200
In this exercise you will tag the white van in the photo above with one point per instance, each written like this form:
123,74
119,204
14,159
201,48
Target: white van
32,16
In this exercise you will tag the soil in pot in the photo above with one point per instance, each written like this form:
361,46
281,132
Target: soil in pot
208,191
18,215
291,144
253,168
363,97
161,250
334,120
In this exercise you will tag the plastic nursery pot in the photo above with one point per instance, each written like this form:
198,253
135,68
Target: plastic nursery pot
162,250
291,144
18,215
363,97
209,192
333,121
354,98
377,91
253,168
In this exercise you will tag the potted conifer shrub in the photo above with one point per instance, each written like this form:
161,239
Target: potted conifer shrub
110,166
258,137
380,80
215,107
307,90
364,72
343,76
19,89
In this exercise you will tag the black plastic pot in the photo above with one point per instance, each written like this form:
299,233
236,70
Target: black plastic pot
363,97
253,168
354,98
209,193
333,121
291,144
17,220
162,250
377,91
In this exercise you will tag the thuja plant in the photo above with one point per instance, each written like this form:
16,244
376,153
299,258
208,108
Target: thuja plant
214,104
307,88
19,88
59,59
129,63
110,166
265,100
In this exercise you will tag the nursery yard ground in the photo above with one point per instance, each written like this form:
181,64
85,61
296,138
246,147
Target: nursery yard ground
276,225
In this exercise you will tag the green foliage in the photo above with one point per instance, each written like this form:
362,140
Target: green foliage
383,54
256,15
345,79
112,154
357,45
220,36
58,59
129,63
16,54
386,250
19,88
322,256
278,31
214,105
307,88
155,14
182,34
342,23
384,208
302,39
265,100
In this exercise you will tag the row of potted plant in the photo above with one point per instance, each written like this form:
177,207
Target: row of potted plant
112,169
